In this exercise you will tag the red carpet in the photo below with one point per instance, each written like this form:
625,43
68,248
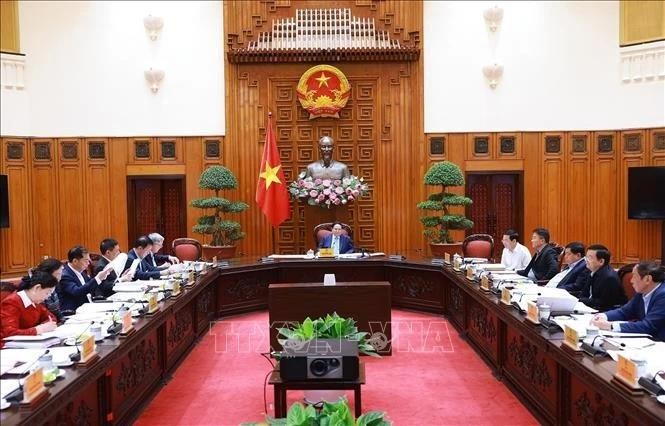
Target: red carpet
433,378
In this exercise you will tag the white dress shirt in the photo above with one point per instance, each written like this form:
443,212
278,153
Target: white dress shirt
335,245
561,275
516,259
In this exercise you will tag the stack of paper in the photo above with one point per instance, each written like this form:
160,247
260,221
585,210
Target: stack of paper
8,386
29,342
131,287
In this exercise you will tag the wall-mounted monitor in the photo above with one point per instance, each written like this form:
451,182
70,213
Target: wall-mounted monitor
646,193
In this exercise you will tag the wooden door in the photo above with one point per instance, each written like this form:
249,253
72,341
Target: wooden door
497,206
157,205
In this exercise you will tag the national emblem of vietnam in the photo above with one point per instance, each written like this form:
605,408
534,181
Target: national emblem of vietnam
323,91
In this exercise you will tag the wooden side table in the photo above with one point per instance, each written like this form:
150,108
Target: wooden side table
281,387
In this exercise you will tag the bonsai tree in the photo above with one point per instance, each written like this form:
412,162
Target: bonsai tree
439,226
224,232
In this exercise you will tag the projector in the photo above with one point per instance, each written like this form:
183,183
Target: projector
320,359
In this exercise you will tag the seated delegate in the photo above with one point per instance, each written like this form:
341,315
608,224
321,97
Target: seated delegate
24,313
338,242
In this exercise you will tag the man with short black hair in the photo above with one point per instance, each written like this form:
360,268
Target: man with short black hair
603,290
144,271
544,264
75,285
109,250
646,309
573,267
514,256
339,242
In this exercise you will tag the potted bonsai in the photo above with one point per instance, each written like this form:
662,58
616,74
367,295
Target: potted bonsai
439,225
224,232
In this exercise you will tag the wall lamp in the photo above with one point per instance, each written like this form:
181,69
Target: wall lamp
493,74
493,17
154,25
154,77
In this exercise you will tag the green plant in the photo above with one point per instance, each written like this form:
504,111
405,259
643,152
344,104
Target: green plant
331,327
446,174
224,232
332,414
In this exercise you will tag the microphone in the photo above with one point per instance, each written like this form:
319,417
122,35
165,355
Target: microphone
650,384
77,356
16,396
591,349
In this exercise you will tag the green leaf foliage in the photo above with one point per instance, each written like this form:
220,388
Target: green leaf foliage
332,414
224,232
442,221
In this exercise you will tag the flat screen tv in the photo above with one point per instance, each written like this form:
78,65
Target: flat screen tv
4,202
646,192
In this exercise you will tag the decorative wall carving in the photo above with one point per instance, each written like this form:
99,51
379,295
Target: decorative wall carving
579,144
507,144
96,150
437,145
168,150
481,145
179,328
659,141
483,324
142,149
82,416
246,289
525,356
42,150
212,149
552,144
141,361
605,143
15,151
414,286
632,143
70,150
598,412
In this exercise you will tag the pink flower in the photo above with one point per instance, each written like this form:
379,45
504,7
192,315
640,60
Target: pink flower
355,192
321,197
339,190
301,182
337,182
350,197
317,181
348,191
309,185
344,201
313,193
326,191
326,182
317,201
333,196
336,201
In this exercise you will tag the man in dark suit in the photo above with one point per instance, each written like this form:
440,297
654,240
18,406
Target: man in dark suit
144,271
109,249
340,243
154,258
574,267
75,284
603,290
646,309
544,264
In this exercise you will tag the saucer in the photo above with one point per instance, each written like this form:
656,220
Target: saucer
4,404
61,373
64,363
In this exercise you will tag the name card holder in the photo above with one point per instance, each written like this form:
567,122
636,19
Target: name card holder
88,351
437,261
191,279
506,296
485,284
326,253
456,265
127,326
264,259
626,376
446,258
34,390
571,339
176,289
398,257
470,273
532,313
153,307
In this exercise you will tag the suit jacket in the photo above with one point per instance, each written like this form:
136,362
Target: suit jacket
155,260
105,288
545,264
603,290
345,243
572,282
652,323
16,319
70,291
143,271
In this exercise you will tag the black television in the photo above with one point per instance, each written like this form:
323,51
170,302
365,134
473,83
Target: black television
4,202
646,193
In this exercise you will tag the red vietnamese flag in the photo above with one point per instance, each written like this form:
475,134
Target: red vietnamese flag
271,194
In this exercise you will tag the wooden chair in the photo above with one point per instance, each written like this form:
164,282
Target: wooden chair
478,245
187,249
322,230
625,275
558,249
8,287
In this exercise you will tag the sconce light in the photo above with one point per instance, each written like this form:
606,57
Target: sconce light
154,77
493,73
493,17
154,25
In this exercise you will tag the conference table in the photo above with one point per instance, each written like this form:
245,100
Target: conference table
558,386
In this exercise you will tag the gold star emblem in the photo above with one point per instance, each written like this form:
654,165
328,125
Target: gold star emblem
323,80
270,175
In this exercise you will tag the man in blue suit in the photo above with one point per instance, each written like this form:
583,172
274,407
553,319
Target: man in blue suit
646,309
144,270
339,242
574,266
75,284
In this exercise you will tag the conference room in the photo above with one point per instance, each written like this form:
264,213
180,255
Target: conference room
389,212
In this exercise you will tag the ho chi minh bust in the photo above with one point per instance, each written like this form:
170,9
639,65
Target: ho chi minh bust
326,167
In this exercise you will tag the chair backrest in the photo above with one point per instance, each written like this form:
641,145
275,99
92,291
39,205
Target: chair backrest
625,275
9,286
478,245
558,249
187,249
324,229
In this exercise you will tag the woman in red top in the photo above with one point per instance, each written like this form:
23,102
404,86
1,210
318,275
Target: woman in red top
24,313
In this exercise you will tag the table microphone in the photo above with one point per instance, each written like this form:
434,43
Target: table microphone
650,384
77,356
17,394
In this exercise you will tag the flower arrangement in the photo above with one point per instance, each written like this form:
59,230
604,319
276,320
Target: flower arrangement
328,192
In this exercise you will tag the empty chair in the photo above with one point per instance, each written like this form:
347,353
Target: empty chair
187,249
625,275
478,245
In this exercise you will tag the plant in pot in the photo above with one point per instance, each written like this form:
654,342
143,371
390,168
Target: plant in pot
224,232
438,225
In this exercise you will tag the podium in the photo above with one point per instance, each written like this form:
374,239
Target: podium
315,215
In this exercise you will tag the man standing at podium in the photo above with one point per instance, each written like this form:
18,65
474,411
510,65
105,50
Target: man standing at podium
338,242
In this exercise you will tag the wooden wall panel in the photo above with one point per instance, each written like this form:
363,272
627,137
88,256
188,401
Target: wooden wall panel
70,189
656,149
632,154
577,189
604,195
532,185
97,191
552,184
44,186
